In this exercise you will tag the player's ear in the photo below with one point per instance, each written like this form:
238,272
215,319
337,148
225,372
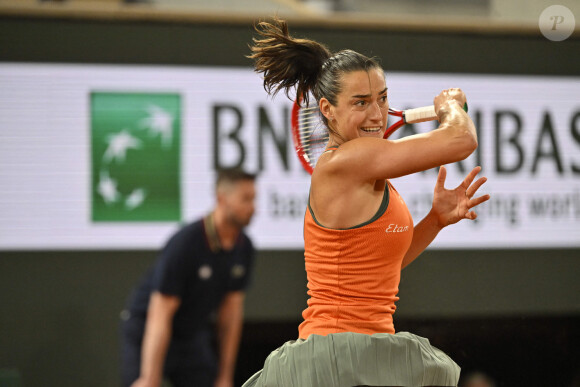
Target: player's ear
221,194
326,109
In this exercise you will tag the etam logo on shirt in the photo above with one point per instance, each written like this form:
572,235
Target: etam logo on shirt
396,228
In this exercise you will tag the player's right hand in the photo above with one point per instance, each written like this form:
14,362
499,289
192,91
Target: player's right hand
448,99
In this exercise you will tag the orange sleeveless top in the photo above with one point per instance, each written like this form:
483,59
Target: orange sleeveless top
353,274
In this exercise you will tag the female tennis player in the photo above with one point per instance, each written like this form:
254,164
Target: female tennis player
358,232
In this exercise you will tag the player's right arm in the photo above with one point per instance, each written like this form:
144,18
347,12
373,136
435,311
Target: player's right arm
158,330
369,159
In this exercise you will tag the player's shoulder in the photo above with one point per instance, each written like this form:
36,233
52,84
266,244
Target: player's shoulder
245,237
338,161
192,227
188,233
246,241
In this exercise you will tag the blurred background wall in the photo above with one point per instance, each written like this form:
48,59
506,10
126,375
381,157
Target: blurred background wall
513,313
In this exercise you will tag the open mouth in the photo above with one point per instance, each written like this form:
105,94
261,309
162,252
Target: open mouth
371,130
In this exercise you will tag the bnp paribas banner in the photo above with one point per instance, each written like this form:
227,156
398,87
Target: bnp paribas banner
119,157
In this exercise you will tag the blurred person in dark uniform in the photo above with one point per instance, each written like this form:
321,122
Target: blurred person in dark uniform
197,282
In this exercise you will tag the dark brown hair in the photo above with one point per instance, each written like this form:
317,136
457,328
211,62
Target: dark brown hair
308,66
232,175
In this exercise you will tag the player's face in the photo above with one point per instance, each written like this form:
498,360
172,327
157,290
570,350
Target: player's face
240,202
362,105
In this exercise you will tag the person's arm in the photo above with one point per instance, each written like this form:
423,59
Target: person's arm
229,327
449,207
368,159
423,234
158,329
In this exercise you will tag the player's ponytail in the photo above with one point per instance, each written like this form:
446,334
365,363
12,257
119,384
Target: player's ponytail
287,62
304,64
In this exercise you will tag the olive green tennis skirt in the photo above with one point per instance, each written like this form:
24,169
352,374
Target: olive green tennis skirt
355,359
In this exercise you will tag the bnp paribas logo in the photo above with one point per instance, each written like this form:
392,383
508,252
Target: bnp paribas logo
135,140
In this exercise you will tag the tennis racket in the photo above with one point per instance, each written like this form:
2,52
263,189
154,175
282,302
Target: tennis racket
310,135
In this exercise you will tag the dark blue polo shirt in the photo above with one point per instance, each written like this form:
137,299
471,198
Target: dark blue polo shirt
195,268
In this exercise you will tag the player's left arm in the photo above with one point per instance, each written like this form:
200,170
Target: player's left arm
229,327
449,207
424,233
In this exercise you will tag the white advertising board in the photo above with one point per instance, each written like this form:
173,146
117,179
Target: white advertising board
56,188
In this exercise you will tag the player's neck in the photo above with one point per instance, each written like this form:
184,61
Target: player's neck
227,231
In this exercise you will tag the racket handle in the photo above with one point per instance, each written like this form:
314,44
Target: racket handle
422,114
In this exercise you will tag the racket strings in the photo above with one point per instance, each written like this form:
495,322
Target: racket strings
312,133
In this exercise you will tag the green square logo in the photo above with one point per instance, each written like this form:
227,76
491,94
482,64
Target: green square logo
135,146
